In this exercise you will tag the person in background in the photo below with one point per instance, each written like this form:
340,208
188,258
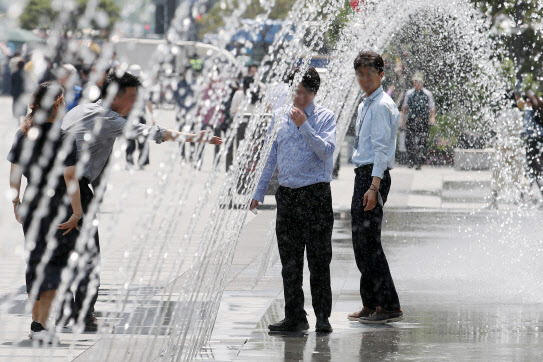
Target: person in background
508,168
48,74
13,62
18,83
418,114
373,156
84,74
140,143
351,130
68,78
251,93
303,152
533,137
92,90
251,71
40,144
185,103
210,113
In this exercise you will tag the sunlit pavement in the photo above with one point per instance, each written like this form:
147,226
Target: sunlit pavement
465,296
469,279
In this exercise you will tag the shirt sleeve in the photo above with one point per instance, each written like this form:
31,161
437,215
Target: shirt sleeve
267,172
381,135
117,126
15,152
71,158
236,102
406,99
323,143
155,133
431,103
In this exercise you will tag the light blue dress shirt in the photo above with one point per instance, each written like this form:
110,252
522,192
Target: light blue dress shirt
376,128
303,155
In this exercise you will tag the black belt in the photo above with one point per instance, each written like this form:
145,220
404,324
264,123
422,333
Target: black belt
319,184
366,168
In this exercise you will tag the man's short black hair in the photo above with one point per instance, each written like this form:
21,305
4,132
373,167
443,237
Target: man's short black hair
127,80
369,59
311,79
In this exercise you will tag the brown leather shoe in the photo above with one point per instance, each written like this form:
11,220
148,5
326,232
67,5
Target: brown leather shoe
364,312
382,316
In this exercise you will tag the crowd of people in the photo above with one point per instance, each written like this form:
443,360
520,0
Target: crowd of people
518,141
226,100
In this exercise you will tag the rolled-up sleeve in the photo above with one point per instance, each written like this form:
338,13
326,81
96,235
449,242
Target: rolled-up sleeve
155,133
323,142
381,135
431,103
132,131
406,99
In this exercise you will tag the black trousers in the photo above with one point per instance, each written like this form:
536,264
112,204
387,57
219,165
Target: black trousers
305,221
240,135
416,140
534,149
90,271
143,148
376,284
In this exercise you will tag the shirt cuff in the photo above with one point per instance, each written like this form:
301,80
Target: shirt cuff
159,134
259,196
377,171
306,129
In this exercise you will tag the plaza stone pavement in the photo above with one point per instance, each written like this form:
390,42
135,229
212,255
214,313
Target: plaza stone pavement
469,279
468,290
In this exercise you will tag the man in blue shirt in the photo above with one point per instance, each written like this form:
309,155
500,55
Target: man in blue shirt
533,135
373,155
303,151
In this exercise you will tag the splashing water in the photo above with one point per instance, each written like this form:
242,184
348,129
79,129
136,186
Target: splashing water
193,221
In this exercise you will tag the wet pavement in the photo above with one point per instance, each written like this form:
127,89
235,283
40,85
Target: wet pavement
469,282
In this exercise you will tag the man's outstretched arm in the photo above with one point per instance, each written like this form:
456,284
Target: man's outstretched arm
202,136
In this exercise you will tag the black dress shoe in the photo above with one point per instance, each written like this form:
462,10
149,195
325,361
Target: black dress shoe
91,323
289,326
323,326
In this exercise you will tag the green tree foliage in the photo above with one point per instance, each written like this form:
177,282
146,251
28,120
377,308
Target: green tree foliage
212,20
40,14
516,23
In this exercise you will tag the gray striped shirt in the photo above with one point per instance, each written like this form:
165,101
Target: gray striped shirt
95,129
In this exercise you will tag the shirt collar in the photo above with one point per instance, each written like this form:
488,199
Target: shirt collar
375,93
101,103
309,109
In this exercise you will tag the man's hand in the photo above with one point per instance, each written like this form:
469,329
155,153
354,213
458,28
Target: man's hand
16,212
205,136
370,200
433,121
297,116
254,205
70,224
